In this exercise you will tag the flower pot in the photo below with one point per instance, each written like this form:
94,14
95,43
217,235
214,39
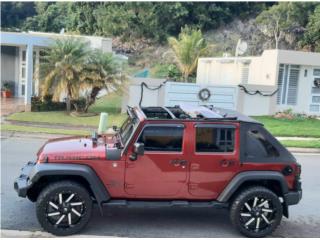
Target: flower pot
6,94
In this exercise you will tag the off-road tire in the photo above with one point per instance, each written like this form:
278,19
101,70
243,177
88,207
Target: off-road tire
248,196
53,191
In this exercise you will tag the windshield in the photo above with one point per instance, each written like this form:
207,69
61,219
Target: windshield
126,129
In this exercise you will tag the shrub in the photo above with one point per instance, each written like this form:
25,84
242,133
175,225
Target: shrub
79,104
46,104
289,114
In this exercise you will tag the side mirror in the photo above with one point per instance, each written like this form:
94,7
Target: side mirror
138,148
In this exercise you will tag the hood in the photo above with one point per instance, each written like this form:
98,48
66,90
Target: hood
75,148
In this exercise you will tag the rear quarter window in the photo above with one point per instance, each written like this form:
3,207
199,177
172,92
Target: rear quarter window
259,146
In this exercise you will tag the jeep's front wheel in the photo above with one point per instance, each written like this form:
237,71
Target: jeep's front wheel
64,208
256,212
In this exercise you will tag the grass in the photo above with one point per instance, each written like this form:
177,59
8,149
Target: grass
291,128
64,118
301,143
110,103
18,128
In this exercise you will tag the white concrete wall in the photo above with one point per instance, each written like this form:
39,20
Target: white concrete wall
175,93
263,70
257,105
218,71
150,97
298,57
223,96
103,44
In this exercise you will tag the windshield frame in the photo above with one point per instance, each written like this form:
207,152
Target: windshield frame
127,129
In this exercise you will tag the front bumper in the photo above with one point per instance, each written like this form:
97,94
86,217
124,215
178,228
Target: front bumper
23,182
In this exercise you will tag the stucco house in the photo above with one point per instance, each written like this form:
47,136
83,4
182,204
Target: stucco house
294,75
20,58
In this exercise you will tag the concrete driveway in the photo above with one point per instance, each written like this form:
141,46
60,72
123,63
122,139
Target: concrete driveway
19,214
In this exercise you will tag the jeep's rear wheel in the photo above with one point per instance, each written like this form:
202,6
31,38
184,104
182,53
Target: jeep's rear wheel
256,212
64,208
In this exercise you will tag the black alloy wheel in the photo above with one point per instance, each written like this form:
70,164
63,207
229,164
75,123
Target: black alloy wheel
64,208
256,212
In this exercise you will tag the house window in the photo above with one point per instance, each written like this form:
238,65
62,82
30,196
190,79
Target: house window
316,99
162,138
305,73
214,139
288,79
316,72
314,108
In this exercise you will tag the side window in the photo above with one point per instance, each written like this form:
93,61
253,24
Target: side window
259,146
162,138
214,139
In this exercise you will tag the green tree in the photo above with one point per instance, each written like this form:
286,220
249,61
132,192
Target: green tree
13,14
102,71
64,62
81,17
284,20
273,22
311,37
187,49
51,17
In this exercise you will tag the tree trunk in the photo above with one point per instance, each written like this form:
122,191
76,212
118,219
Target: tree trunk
68,104
185,77
92,98
68,98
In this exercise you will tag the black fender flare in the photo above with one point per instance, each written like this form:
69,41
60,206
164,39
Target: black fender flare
242,177
53,169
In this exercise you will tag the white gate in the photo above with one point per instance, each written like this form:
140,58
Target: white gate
220,95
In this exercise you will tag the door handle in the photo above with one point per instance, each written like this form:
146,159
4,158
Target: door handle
178,162
183,162
174,162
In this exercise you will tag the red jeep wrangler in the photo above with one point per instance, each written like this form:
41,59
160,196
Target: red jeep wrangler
166,156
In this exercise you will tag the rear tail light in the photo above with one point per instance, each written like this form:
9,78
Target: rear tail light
297,182
298,170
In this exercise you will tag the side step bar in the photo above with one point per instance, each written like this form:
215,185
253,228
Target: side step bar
156,204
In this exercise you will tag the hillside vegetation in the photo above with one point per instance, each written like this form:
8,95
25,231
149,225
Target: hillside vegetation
141,29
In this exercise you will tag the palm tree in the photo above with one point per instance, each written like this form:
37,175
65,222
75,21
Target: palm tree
187,49
63,64
103,71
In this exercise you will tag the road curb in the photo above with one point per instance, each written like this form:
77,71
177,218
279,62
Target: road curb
50,125
9,134
303,150
5,233
24,234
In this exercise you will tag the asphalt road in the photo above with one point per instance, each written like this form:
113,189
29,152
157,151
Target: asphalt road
19,214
